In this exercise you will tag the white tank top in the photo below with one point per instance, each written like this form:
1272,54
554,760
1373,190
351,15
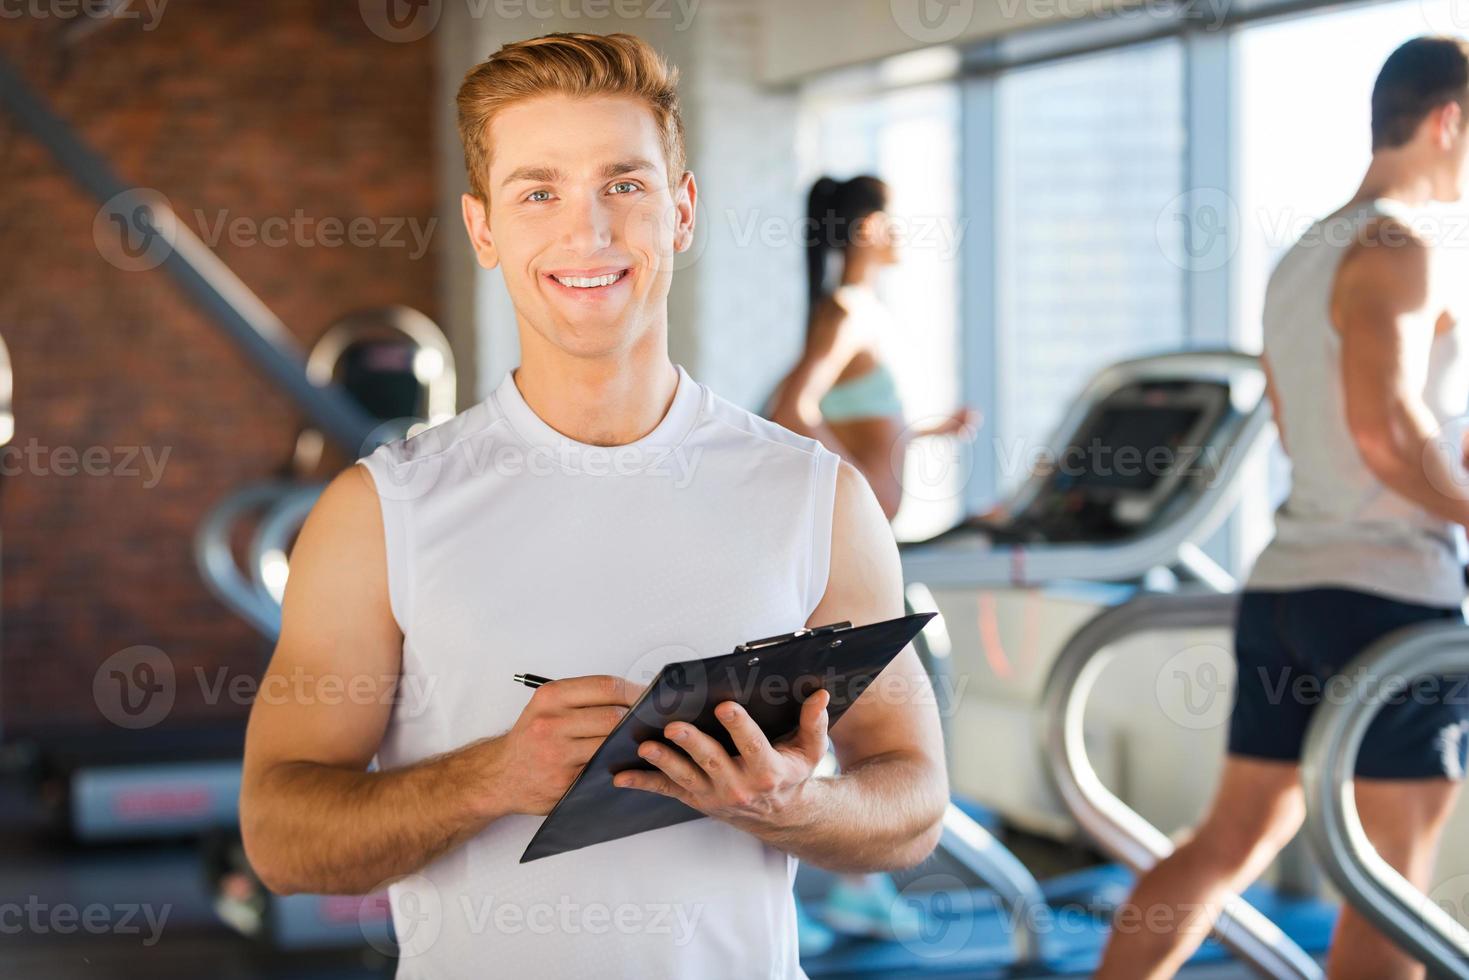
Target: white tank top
512,548
1340,526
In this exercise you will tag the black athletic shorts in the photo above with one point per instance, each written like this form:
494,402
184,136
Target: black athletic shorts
1289,646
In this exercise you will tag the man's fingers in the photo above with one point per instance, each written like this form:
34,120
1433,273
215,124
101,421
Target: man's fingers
594,722
676,766
753,746
810,738
592,689
704,750
652,782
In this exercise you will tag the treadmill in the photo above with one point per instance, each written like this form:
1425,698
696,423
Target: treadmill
168,781
1142,469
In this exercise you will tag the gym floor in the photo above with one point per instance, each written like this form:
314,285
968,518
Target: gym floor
132,888
42,874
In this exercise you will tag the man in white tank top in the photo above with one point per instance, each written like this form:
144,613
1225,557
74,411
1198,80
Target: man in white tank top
1369,372
600,514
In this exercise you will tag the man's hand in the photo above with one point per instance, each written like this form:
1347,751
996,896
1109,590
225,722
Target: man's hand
555,735
760,789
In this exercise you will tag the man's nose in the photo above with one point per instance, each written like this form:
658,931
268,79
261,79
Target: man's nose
589,225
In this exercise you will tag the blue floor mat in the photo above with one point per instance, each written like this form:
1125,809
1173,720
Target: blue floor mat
970,933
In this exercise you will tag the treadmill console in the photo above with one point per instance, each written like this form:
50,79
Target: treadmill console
1129,459
380,375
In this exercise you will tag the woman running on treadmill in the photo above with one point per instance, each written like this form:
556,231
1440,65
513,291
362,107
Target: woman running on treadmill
841,392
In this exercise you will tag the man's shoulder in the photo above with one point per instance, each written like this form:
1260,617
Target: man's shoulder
426,442
745,429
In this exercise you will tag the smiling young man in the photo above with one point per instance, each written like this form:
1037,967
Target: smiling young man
600,514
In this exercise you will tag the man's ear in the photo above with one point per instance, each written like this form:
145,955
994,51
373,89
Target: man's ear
1453,120
685,196
477,223
1445,124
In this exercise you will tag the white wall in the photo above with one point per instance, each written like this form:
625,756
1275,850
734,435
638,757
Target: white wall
457,268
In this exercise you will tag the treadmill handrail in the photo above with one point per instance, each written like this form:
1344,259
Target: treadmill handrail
277,530
1334,827
966,841
215,557
1117,828
974,848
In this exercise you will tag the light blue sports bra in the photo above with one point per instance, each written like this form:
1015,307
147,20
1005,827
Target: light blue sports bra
872,395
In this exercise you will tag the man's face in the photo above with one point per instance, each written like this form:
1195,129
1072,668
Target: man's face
581,219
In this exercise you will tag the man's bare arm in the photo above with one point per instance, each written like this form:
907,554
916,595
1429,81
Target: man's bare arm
313,818
1381,308
884,809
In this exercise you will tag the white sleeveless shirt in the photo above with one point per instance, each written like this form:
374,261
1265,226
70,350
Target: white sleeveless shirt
1340,525
513,548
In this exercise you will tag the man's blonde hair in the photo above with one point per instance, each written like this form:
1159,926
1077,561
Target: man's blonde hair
567,64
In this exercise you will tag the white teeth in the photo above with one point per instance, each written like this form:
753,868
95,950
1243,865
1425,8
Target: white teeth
587,282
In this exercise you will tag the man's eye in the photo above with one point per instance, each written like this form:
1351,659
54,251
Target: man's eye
624,187
538,196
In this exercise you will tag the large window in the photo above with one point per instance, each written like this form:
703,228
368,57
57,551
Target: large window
1075,247
1089,153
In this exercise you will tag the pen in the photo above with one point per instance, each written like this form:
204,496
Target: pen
531,680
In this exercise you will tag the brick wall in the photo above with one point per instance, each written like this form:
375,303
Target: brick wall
252,109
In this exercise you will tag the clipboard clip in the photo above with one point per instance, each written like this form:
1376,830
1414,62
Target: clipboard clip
771,641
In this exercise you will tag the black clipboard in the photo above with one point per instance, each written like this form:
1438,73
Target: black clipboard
768,677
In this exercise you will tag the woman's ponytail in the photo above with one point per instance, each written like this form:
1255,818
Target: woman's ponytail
834,208
819,204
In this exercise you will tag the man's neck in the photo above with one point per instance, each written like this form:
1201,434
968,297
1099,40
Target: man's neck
1394,176
609,401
